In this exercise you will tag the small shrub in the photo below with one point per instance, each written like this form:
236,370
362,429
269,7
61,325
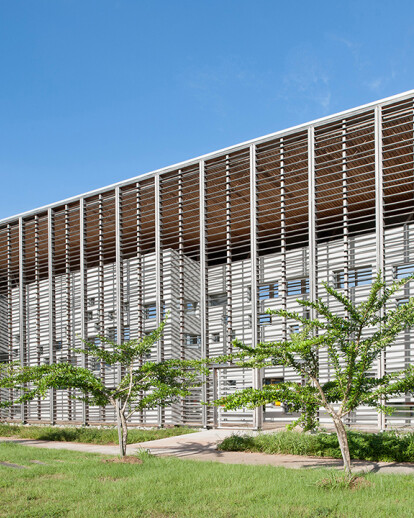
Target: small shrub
388,446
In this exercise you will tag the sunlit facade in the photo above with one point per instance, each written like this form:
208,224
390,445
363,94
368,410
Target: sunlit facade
216,240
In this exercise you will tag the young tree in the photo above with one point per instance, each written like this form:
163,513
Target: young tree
143,384
353,343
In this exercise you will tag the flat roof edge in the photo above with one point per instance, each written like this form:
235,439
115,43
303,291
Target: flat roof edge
214,154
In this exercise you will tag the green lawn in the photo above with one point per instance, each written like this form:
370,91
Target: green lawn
387,446
88,434
72,484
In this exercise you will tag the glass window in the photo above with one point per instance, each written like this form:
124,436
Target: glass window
402,302
215,338
356,277
272,381
298,286
150,311
403,270
217,299
96,365
268,291
265,319
192,341
190,307
294,328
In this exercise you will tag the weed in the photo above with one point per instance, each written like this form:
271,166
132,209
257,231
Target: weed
343,481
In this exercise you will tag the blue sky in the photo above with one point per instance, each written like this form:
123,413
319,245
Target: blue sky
97,91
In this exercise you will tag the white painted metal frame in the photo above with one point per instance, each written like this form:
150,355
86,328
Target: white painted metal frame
140,307
9,304
67,301
203,286
283,291
118,275
228,323
22,306
83,288
159,304
379,216
204,254
52,305
313,287
345,210
254,271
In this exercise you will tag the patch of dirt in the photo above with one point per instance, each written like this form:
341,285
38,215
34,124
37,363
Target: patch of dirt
128,459
359,482
12,465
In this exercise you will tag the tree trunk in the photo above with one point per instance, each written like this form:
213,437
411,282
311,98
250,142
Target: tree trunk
122,431
343,444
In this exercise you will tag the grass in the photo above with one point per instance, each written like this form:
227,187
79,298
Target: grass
72,484
87,434
387,446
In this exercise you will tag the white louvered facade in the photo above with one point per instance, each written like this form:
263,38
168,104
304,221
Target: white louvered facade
216,241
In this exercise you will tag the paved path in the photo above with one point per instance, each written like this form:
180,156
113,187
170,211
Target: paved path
201,446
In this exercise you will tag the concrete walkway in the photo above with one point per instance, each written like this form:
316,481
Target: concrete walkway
202,446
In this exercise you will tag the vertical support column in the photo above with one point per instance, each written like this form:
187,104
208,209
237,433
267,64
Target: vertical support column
140,308
283,291
181,285
22,306
10,306
229,289
37,286
345,228
68,306
101,290
345,211
52,305
119,285
159,302
313,287
181,266
379,236
203,286
83,288
313,276
254,271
